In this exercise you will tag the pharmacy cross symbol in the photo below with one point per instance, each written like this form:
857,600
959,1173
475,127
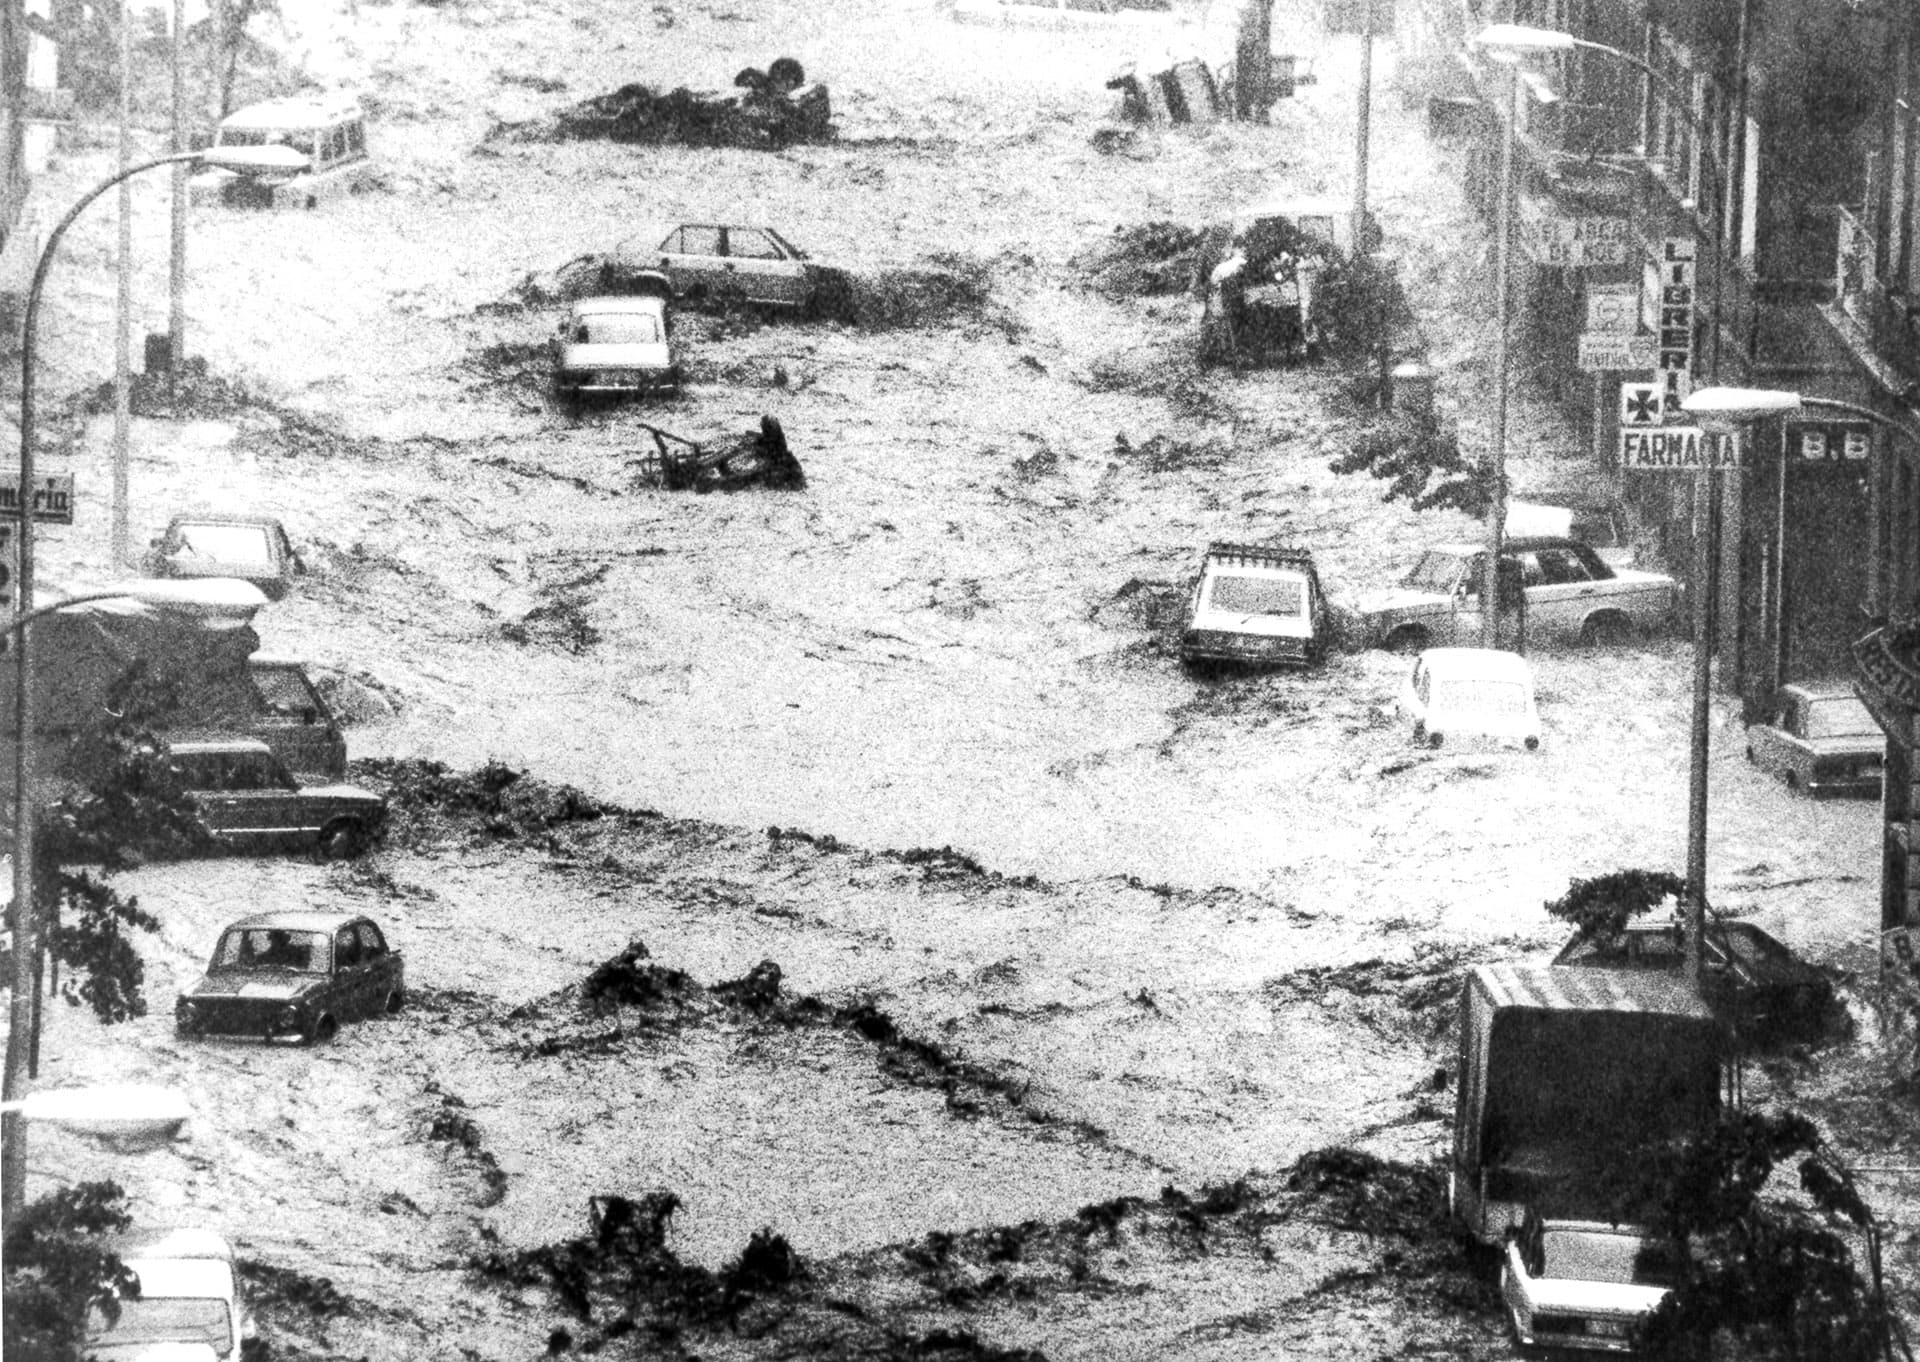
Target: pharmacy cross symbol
1642,408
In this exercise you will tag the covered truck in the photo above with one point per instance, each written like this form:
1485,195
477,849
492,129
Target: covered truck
1567,1078
186,672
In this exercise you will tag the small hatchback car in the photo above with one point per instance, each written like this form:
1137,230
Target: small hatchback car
1457,693
293,976
249,800
189,1303
253,548
616,345
737,264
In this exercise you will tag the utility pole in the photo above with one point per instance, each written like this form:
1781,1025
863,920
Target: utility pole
123,304
177,276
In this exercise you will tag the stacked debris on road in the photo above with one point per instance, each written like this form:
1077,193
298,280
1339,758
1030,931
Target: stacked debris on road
1184,92
755,459
775,108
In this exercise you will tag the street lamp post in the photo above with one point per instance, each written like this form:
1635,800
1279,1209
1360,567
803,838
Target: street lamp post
1509,41
12,1168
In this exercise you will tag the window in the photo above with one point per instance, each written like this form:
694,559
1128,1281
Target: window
372,944
694,241
222,543
356,138
623,328
749,244
1238,595
346,948
1557,566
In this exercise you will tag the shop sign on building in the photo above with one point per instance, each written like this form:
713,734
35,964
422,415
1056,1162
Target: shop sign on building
1670,282
1602,353
1613,310
1639,405
1568,241
1360,16
1677,449
1829,441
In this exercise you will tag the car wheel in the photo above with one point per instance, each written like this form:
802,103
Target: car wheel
324,1030
1793,781
1408,638
342,839
1606,631
396,1000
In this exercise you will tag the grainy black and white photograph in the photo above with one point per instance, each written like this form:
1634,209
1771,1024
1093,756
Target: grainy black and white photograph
966,680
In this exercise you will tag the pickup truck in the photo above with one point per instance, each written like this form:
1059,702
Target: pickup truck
1567,1077
1255,605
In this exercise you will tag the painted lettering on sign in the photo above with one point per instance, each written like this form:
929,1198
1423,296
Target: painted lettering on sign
1677,449
52,498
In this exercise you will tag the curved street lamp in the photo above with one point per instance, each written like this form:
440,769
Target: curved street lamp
1508,42
12,1167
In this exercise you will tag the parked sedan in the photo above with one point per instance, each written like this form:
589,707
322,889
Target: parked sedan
1456,693
253,548
1570,593
249,800
293,976
1583,1284
732,263
1752,979
1820,738
616,345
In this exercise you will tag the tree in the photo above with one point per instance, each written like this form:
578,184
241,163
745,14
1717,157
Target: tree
1774,1275
1600,906
58,1265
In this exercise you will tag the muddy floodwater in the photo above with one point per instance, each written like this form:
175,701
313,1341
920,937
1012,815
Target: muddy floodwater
1078,955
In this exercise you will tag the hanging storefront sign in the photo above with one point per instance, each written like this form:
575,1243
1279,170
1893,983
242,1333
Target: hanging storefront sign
1569,241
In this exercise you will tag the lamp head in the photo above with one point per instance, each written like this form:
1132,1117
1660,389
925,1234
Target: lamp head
1724,410
1513,40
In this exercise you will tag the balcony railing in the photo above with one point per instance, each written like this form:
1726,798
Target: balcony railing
1889,321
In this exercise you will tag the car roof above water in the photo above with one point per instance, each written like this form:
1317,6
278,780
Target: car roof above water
294,111
1489,664
296,920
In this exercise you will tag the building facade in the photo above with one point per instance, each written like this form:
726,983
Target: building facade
1777,144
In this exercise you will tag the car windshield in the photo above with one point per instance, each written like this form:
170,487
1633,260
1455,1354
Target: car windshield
1600,1256
148,1320
300,140
619,328
1246,595
224,543
1839,716
254,948
1493,699
1435,571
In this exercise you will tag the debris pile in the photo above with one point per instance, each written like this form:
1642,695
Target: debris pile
775,108
1144,260
755,459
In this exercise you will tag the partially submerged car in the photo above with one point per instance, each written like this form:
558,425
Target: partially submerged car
293,976
1098,14
1751,979
1464,693
250,801
1569,593
252,548
1584,1283
731,263
1257,605
1819,737
189,1303
288,153
616,344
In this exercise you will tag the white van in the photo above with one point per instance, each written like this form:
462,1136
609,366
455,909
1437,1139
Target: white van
288,153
